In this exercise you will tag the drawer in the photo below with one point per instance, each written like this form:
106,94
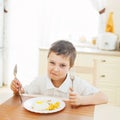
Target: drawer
110,75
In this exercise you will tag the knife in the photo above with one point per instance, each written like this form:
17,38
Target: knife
15,71
15,74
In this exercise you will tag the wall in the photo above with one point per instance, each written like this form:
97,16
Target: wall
1,41
114,6
21,33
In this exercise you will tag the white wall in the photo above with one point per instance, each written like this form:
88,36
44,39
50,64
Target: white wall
114,6
22,36
67,19
1,41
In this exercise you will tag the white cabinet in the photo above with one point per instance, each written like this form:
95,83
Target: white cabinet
107,73
85,60
43,61
108,77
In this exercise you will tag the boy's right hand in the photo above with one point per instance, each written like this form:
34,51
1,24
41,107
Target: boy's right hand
15,86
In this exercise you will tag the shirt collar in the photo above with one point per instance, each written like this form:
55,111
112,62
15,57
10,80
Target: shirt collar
49,84
64,87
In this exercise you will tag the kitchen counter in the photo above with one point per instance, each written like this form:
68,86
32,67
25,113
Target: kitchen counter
97,51
88,50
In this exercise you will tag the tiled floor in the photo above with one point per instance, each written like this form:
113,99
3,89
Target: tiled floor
102,112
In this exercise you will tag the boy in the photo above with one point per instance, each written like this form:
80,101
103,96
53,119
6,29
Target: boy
57,82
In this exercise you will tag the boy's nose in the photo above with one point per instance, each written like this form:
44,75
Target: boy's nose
56,68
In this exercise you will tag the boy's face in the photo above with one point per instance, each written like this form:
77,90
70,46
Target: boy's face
58,66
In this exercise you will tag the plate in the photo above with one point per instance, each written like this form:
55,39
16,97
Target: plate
44,105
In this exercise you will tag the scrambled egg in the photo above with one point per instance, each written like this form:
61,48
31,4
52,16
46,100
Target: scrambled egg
53,106
45,105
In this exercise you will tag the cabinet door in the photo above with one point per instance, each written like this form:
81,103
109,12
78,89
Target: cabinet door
108,70
108,77
113,93
43,61
85,60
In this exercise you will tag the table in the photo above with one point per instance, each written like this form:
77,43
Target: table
13,109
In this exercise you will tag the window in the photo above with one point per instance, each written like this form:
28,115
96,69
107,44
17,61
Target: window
67,19
41,22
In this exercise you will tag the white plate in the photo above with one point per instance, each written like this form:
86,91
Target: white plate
29,104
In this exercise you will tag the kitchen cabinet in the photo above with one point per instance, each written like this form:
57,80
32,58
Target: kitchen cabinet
107,71
108,77
85,60
43,61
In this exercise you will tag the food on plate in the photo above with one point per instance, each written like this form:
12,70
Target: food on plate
45,105
53,106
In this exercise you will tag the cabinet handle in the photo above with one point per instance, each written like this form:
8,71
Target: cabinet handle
102,76
103,60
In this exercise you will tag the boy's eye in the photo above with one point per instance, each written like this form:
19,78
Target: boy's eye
62,65
52,63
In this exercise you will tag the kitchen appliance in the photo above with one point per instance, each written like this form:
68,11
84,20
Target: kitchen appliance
107,41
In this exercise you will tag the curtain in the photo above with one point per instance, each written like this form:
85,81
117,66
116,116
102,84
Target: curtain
99,5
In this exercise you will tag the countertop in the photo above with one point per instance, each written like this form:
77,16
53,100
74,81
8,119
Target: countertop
88,50
97,51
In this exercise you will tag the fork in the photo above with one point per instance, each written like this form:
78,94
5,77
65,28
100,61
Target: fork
72,76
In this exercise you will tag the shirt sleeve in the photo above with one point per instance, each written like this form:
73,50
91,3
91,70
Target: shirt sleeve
33,87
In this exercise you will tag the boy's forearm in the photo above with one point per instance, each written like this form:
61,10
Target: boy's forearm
98,98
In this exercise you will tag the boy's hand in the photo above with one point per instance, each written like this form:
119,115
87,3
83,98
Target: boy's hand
15,86
74,98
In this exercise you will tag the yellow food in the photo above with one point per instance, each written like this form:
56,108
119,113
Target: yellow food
45,105
53,106
39,102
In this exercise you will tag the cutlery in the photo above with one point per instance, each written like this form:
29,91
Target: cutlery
72,77
15,71
15,74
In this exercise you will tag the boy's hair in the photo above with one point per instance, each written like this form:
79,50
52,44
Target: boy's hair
65,48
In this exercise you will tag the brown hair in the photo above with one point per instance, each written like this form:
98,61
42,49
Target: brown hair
64,47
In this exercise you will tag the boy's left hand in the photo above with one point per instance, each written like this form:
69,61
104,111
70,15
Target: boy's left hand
74,98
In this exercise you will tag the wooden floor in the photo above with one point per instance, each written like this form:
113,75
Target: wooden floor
102,112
